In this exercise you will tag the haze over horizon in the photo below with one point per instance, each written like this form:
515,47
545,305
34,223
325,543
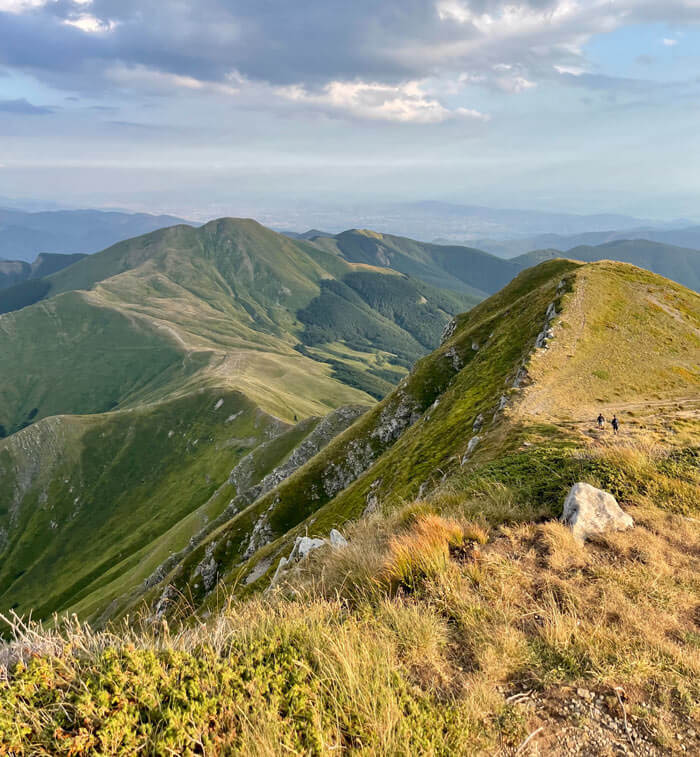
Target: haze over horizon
237,108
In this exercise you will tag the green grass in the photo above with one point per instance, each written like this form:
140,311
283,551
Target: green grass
454,622
333,486
88,519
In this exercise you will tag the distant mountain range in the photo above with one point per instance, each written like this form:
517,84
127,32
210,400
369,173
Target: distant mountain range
454,223
509,248
25,235
677,263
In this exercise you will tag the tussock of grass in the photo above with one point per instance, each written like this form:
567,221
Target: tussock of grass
423,551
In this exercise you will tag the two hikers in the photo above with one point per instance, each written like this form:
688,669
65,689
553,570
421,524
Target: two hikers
614,423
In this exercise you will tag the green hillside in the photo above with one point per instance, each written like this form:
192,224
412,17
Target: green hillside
151,369
461,618
462,269
228,304
421,431
676,263
23,284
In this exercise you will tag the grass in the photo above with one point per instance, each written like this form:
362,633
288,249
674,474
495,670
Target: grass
92,526
460,621
424,636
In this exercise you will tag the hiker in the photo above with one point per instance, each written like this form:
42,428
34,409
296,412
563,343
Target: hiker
615,424
601,420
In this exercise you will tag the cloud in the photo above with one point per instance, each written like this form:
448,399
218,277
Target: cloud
669,42
20,6
24,107
406,103
359,59
90,24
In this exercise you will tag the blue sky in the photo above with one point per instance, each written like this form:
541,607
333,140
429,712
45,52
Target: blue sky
212,107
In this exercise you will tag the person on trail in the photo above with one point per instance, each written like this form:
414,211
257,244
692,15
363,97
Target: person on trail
601,420
615,424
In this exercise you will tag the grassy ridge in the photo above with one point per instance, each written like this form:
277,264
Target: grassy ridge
337,475
460,619
225,304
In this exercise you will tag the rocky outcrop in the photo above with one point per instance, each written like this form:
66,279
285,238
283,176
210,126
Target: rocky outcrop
592,512
327,428
208,568
303,547
449,330
454,357
470,448
243,477
547,332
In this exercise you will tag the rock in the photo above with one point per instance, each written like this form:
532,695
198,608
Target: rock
219,403
303,546
259,570
475,346
470,448
208,568
282,563
520,377
337,539
449,330
589,512
453,356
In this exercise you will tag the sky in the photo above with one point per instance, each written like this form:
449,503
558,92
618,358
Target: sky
211,107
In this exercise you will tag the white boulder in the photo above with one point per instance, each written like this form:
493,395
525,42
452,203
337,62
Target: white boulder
303,545
337,539
590,512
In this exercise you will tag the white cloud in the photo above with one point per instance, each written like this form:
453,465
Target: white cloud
143,77
507,18
20,6
571,70
514,84
86,22
669,42
403,103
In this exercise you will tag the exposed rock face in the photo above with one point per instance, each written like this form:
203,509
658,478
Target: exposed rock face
328,428
449,330
590,512
478,423
547,332
453,356
261,533
372,499
470,448
167,598
208,569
